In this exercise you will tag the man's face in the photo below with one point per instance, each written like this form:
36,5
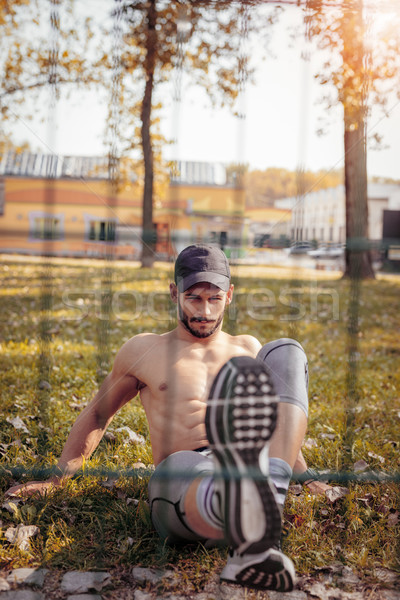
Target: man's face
201,308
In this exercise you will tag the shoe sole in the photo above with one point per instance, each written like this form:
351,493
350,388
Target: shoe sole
275,572
240,420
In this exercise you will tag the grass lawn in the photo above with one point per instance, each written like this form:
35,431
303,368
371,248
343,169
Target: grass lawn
57,343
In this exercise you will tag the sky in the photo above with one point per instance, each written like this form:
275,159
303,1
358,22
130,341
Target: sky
283,113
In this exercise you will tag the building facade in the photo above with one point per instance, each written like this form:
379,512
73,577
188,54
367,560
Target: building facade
268,227
65,206
321,216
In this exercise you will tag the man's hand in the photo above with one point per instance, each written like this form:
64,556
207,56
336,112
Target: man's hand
313,485
32,487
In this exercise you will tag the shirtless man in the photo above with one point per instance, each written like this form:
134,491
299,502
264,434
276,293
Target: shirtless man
226,418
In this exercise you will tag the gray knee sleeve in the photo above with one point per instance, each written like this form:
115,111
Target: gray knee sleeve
288,367
167,490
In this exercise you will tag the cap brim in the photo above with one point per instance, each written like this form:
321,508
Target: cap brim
204,277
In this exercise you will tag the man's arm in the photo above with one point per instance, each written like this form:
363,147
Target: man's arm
116,390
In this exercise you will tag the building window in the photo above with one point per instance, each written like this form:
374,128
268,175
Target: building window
218,237
223,239
101,231
45,226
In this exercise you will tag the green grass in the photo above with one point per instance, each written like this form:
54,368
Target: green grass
92,523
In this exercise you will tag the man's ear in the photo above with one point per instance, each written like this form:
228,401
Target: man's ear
229,294
173,291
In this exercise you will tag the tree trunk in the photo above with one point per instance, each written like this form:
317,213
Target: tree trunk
148,231
358,255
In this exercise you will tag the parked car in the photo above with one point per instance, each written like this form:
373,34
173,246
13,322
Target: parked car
327,252
300,248
264,240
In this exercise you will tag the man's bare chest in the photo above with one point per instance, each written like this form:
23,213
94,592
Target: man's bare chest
184,372
184,375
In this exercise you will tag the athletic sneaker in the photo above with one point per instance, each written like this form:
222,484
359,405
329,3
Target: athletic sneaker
240,420
269,570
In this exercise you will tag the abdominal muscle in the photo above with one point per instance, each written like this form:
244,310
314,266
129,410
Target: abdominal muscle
175,392
176,426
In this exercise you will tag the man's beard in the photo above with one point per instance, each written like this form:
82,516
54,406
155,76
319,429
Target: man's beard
186,320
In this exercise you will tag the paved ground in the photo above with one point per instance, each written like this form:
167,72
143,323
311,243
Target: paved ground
137,583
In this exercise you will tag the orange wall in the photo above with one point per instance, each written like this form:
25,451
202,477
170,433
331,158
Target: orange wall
73,200
209,199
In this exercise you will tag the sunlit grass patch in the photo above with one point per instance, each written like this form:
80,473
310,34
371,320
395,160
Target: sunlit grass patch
98,521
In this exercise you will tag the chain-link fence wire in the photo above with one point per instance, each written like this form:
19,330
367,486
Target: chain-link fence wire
104,326
46,295
103,357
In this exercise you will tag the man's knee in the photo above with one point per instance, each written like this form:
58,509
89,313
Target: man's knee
285,345
167,489
287,363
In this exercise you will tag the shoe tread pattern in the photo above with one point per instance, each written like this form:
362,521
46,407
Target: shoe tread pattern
252,577
276,573
240,421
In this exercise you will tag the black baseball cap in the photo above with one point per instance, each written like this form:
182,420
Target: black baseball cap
202,263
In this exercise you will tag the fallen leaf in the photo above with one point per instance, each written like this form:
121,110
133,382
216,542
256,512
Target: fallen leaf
20,535
335,493
125,544
357,522
393,519
318,487
109,483
134,438
296,490
296,520
377,457
138,465
310,443
44,385
360,466
367,499
12,506
18,423
77,405
132,500
3,449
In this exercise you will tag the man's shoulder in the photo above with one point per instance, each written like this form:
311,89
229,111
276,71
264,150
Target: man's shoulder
249,343
137,350
142,342
141,339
